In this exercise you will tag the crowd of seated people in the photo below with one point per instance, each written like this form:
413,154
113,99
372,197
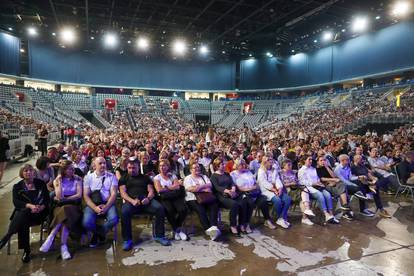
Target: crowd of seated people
22,122
170,173
332,120
167,169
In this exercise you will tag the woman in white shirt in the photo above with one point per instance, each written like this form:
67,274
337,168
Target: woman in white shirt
174,205
308,177
246,184
272,188
196,182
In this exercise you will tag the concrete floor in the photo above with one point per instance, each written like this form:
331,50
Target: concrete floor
365,246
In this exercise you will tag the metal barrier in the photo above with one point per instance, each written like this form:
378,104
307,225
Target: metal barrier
17,145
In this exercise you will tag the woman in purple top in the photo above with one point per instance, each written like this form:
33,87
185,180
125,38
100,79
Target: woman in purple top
67,213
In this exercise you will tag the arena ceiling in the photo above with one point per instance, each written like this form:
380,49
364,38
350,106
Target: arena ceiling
231,28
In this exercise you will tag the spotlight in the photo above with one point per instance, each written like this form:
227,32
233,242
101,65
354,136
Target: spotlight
10,29
67,36
293,51
343,30
32,31
110,40
54,34
360,24
22,50
377,17
129,41
142,43
204,50
327,36
268,54
401,8
315,41
92,37
179,47
250,55
223,52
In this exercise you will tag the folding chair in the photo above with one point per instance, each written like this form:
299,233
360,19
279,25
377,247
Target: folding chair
42,225
403,186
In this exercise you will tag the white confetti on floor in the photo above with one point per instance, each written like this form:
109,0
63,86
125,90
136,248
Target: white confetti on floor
200,252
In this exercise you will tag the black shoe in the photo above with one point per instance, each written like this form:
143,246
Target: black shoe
360,195
3,242
26,257
94,241
345,207
348,216
236,235
101,239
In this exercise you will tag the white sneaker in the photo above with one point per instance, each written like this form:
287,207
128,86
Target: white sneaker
329,218
269,224
287,222
213,232
309,212
65,252
218,233
282,223
183,236
47,244
177,236
307,221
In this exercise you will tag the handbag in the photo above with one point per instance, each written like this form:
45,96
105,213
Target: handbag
172,194
254,193
96,196
205,197
75,202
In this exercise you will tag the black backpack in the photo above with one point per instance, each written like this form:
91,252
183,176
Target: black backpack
28,150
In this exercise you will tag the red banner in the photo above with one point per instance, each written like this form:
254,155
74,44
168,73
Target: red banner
174,105
110,103
247,107
20,96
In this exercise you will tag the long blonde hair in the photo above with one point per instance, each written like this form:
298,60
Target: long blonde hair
264,160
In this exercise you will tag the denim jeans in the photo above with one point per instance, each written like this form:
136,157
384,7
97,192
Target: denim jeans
324,199
281,205
90,217
154,208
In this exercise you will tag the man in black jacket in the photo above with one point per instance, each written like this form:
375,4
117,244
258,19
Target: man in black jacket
406,169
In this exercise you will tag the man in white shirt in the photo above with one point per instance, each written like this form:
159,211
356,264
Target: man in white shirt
99,192
382,169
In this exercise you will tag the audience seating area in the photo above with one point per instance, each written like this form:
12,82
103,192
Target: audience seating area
63,108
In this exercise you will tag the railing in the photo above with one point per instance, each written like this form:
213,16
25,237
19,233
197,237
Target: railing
385,118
